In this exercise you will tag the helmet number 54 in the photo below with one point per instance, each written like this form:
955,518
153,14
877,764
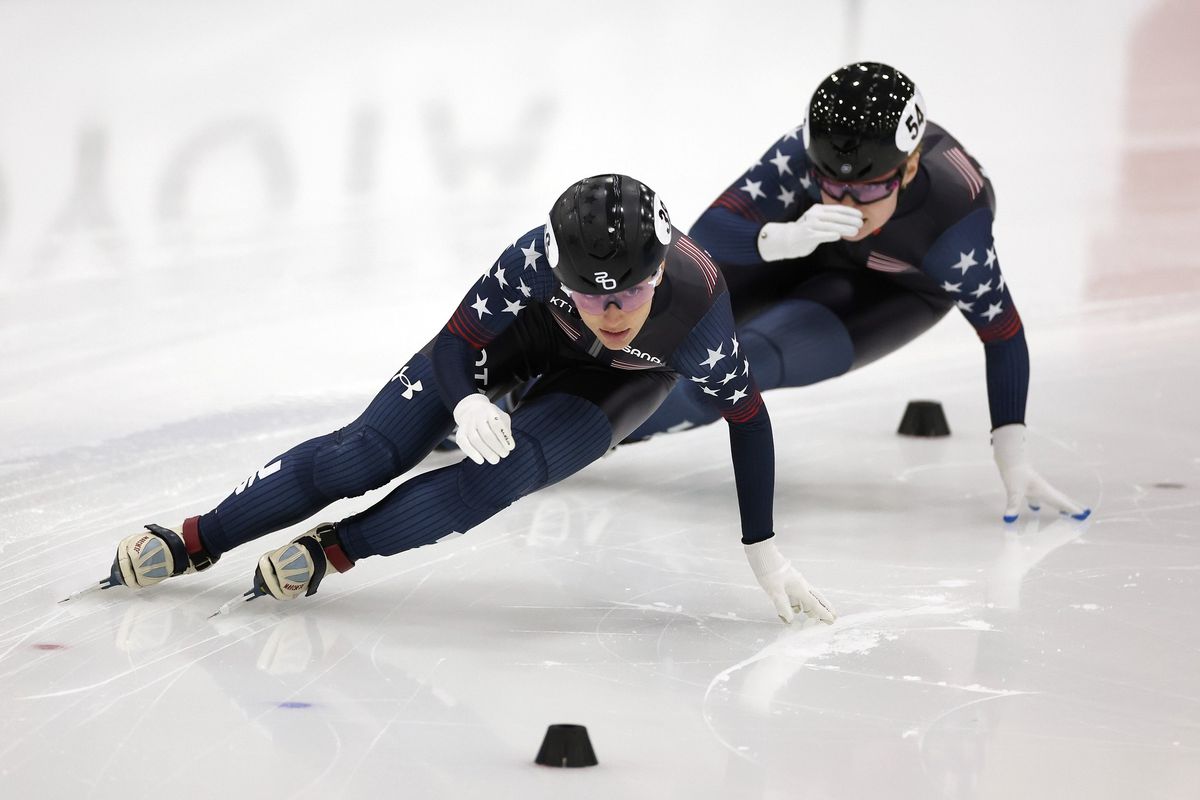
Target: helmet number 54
913,121
911,125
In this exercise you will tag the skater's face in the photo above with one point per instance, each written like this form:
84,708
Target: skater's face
875,212
615,326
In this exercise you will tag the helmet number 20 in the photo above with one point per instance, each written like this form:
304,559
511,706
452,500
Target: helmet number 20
604,281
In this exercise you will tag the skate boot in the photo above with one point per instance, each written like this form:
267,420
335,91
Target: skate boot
299,566
158,553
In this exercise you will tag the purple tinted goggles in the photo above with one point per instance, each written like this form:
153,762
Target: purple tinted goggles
630,299
863,192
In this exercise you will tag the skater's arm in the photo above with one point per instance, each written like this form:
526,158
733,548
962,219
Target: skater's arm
730,238
712,358
776,188
453,362
963,261
518,278
1007,378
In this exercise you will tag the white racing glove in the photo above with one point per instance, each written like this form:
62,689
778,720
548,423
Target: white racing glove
785,585
821,223
1021,482
484,431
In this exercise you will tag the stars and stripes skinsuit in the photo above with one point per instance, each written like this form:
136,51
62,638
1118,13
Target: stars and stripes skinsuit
805,320
515,323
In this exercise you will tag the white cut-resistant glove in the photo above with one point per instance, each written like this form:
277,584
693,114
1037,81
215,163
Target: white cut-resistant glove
484,431
822,223
1021,482
785,585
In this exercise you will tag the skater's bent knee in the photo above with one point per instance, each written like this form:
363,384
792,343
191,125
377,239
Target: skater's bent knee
490,487
556,435
797,343
357,460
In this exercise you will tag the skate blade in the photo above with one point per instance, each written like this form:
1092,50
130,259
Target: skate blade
235,602
107,583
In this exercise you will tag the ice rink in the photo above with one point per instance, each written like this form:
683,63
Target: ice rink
224,225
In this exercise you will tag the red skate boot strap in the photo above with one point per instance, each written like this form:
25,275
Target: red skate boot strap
191,536
337,557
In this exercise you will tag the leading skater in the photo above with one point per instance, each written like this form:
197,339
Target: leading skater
610,306
853,234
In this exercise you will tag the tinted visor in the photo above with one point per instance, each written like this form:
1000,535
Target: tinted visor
863,192
630,299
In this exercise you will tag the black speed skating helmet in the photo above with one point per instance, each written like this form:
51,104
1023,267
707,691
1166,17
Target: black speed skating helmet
863,121
606,233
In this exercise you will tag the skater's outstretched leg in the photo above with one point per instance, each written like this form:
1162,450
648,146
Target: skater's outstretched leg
556,436
398,429
569,421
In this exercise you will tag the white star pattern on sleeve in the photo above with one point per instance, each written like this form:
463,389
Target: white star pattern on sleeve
781,163
480,306
700,379
500,276
806,182
786,196
738,394
746,367
754,189
729,376
794,133
513,307
531,256
713,357
735,345
964,305
1000,285
965,262
712,392
993,311
982,289
991,258
525,290
951,287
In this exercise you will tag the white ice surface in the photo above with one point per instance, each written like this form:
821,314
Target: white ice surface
971,660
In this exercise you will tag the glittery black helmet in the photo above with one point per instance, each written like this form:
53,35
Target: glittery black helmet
863,121
606,233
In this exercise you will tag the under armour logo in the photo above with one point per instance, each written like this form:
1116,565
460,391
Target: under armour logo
409,387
